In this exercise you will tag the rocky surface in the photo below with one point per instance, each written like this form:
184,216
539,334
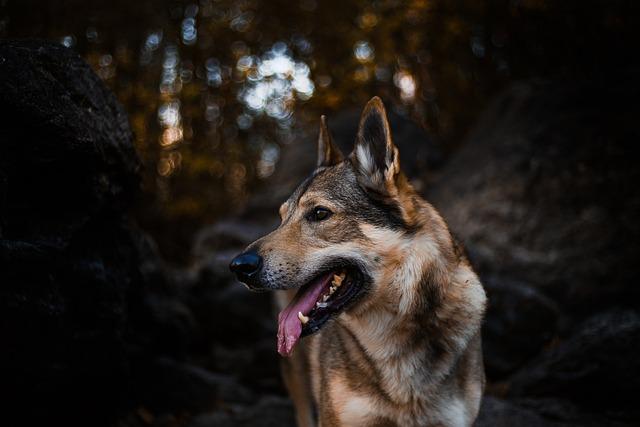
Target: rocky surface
69,259
95,329
595,367
545,191
542,193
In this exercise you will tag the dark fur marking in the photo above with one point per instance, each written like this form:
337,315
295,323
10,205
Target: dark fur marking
391,209
347,230
328,416
363,204
373,135
382,422
363,381
340,184
299,192
438,346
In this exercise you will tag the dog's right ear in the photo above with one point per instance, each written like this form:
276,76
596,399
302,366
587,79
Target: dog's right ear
375,156
328,153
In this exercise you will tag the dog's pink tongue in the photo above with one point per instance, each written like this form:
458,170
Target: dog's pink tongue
289,326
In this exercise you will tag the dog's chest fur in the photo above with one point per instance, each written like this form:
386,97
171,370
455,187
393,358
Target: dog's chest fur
391,370
351,388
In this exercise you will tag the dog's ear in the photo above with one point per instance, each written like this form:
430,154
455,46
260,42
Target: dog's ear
375,157
328,153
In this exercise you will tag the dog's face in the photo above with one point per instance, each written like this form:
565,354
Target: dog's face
328,245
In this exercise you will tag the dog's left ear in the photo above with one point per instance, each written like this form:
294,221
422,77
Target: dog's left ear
374,156
328,153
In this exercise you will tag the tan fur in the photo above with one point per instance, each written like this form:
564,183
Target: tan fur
409,352
368,356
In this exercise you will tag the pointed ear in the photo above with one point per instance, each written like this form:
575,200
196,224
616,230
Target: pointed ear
328,153
374,156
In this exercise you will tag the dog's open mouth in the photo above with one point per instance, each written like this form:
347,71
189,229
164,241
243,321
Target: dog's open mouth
315,303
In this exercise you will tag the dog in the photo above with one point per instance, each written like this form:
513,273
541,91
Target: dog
369,273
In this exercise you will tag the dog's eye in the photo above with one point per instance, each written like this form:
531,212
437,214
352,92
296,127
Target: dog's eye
319,213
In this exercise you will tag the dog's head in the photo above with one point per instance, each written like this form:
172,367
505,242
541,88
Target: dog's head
334,239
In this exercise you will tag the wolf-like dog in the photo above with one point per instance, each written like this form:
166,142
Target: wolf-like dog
369,273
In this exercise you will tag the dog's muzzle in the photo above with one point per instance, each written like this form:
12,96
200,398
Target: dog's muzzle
246,267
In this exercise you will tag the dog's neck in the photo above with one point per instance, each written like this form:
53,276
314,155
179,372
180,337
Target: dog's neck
402,335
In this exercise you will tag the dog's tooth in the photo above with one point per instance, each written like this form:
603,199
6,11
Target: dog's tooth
321,304
337,280
332,290
303,319
325,298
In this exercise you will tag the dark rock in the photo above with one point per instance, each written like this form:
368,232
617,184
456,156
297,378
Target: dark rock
64,142
496,412
518,323
564,411
597,367
92,321
269,411
214,246
71,265
173,387
242,324
544,191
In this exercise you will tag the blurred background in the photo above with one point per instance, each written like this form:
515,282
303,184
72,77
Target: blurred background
516,118
215,89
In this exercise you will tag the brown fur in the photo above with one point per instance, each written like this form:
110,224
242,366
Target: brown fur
408,353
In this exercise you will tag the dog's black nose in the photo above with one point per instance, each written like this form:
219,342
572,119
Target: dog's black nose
246,265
